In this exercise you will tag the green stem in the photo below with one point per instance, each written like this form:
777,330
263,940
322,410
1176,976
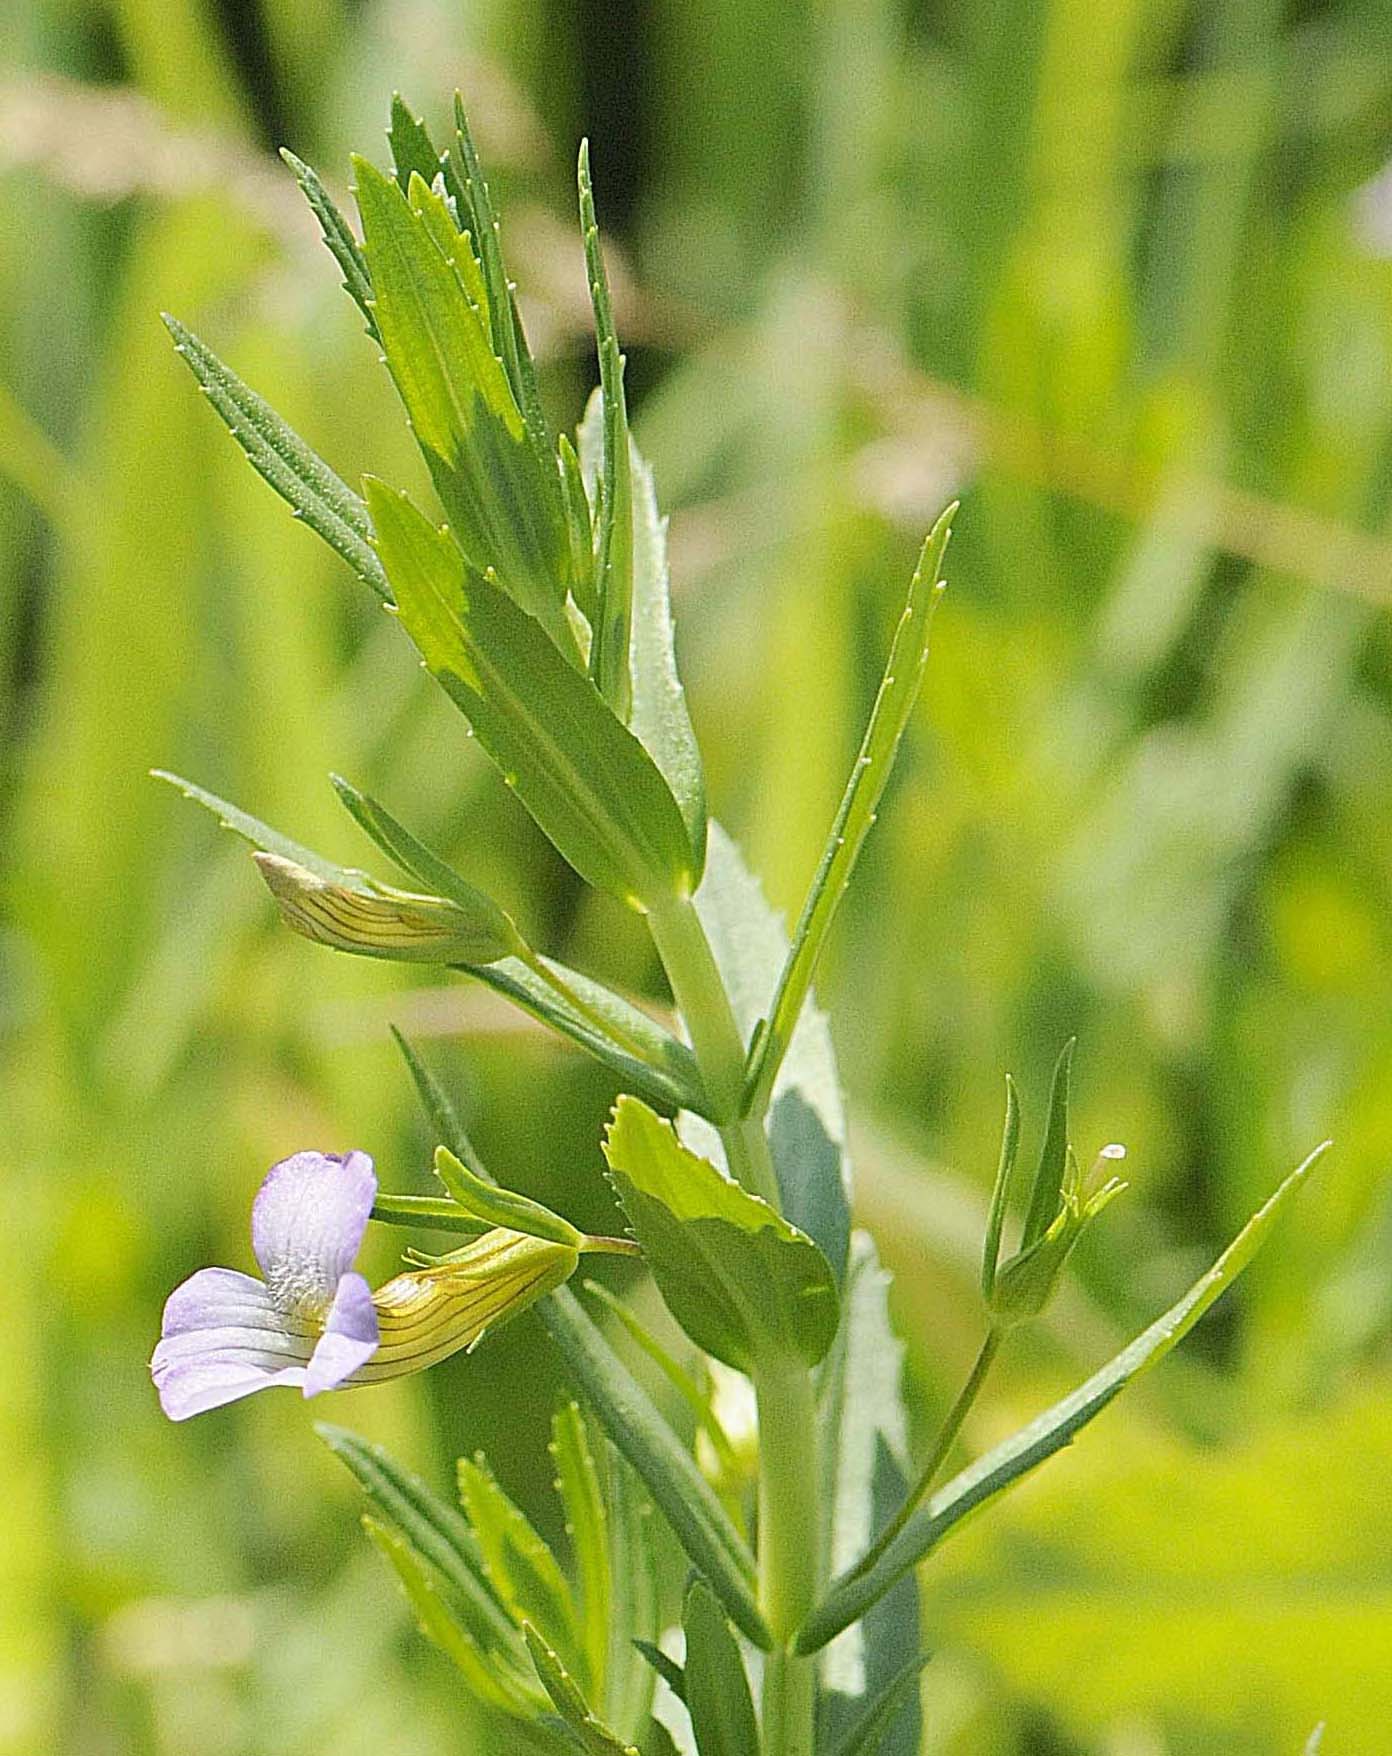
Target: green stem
563,991
947,1437
789,1555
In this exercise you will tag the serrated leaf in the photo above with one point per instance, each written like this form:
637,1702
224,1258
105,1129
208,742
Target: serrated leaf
860,1409
432,1529
855,816
495,1677
665,1467
503,503
487,1200
852,1594
584,777
868,1735
338,235
577,1482
591,1733
282,459
609,648
750,948
520,1567
743,1283
412,150
717,1688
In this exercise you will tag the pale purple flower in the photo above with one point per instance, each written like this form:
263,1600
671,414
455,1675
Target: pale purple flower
313,1320
310,1322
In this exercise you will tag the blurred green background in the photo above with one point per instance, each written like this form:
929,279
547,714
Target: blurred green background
1119,272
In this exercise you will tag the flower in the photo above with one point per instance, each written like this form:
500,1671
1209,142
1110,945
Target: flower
314,1321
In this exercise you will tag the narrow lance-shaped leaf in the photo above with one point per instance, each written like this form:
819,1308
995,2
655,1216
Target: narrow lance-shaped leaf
717,1688
488,1201
280,457
494,1676
584,777
578,1484
520,1567
663,1464
852,1594
412,149
505,507
609,649
590,1732
433,1529
995,1219
338,235
899,689
635,1600
440,1107
868,1733
743,1283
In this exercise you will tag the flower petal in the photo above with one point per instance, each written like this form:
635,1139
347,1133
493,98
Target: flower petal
222,1338
193,1386
349,1339
307,1222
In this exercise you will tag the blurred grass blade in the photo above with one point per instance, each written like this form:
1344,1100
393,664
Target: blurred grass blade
1046,1193
898,692
520,1566
495,1676
591,1734
668,1471
717,1687
302,479
439,1107
866,1737
609,649
1000,1469
577,1482
338,235
585,778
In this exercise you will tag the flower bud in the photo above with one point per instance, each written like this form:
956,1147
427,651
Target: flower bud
1025,1284
375,920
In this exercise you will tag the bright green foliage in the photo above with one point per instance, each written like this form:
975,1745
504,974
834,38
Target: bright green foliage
717,1689
743,1283
584,777
501,1207
505,509
999,1469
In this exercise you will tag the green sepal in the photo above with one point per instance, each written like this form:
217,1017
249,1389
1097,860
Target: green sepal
314,493
609,648
717,1687
494,1675
899,689
1046,1191
523,1572
659,1459
338,235
585,778
853,1593
742,1282
592,1735
428,1211
578,1484
995,1219
866,1736
502,1207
